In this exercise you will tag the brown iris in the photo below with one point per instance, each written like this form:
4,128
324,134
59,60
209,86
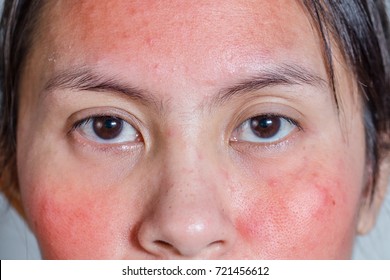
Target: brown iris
265,126
107,127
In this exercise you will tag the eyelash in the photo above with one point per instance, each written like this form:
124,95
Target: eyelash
284,119
126,129
235,136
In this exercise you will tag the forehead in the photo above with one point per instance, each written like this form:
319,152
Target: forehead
203,40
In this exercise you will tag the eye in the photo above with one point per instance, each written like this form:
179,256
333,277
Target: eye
264,129
107,129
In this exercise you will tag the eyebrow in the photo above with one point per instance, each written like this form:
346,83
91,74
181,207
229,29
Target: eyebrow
283,75
88,79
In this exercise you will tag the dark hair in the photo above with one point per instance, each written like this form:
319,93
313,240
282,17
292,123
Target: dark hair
16,28
359,29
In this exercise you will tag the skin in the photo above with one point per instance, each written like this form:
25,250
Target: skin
189,186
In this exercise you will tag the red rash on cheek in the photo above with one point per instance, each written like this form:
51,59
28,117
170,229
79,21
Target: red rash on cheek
63,224
77,226
293,213
251,224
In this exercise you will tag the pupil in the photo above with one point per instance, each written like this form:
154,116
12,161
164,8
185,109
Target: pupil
265,126
107,127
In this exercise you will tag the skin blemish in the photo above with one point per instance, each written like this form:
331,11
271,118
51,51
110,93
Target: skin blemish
251,225
272,182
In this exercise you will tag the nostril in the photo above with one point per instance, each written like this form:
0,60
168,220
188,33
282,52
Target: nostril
162,243
166,246
216,245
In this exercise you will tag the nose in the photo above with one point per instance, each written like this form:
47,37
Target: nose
187,219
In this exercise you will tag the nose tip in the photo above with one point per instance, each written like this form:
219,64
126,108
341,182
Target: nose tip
185,234
188,214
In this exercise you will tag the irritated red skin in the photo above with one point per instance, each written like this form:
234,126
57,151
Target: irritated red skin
278,223
184,193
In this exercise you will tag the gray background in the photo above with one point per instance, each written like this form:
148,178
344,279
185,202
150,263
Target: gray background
17,242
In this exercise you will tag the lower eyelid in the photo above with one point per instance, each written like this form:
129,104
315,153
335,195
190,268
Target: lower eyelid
94,147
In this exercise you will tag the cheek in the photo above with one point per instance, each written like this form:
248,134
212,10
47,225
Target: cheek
58,222
75,224
307,215
79,204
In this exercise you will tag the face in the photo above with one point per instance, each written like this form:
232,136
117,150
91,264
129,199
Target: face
197,130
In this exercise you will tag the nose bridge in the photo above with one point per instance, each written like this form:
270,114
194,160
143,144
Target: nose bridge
187,159
188,217
189,153
190,171
190,180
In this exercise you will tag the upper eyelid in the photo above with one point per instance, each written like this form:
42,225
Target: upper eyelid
85,123
89,113
289,119
271,107
292,121
87,119
79,123
82,121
